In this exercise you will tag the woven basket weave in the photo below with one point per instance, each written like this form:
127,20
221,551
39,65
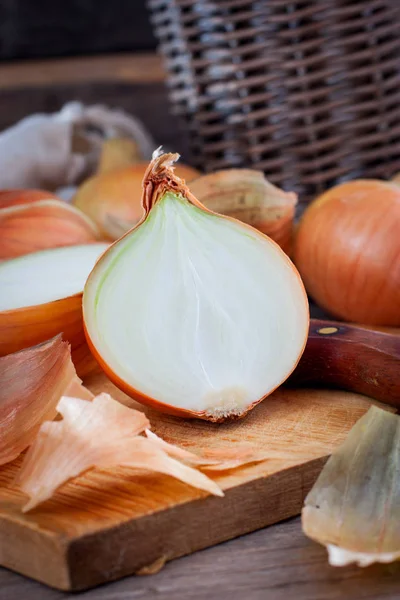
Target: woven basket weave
308,92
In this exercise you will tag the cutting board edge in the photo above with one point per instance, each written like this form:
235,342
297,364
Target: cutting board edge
53,553
165,534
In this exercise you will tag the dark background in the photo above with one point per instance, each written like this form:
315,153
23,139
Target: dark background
46,29
55,28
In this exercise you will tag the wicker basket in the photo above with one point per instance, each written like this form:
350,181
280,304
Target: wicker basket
309,92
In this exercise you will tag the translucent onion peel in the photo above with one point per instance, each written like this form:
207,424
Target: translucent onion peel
41,296
354,507
101,433
31,384
216,459
34,226
194,313
246,195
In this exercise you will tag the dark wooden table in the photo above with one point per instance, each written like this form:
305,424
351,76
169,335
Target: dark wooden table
276,563
272,564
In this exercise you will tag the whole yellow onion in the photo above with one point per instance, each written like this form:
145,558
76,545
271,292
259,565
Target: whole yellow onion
113,198
347,249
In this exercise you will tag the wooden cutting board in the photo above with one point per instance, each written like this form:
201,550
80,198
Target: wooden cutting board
107,524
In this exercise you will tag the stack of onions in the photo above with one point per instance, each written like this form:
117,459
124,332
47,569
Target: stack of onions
194,313
347,250
246,195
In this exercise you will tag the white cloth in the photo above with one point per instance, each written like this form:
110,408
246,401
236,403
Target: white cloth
53,151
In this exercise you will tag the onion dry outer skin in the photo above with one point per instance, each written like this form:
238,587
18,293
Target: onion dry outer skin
353,508
43,224
32,382
117,153
160,178
117,192
24,196
347,249
25,327
102,433
246,195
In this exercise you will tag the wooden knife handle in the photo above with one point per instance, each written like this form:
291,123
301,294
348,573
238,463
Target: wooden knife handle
351,358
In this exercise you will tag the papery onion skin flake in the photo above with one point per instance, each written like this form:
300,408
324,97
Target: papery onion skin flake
101,433
31,384
354,507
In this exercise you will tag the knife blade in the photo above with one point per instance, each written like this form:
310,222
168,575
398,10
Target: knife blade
351,358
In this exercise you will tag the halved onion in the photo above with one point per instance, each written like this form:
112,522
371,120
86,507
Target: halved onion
41,296
194,313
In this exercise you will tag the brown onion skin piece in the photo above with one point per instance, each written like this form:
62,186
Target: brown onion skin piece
347,250
158,179
25,327
43,367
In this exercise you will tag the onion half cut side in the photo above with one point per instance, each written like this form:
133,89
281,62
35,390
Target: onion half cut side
191,312
41,296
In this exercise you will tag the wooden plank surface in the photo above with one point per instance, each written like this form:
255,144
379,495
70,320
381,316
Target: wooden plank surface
107,524
125,68
276,563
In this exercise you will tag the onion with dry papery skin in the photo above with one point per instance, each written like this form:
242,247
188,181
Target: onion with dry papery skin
23,196
117,153
41,296
347,249
194,313
31,384
41,224
117,193
246,195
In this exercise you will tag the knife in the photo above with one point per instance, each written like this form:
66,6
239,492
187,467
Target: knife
351,358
